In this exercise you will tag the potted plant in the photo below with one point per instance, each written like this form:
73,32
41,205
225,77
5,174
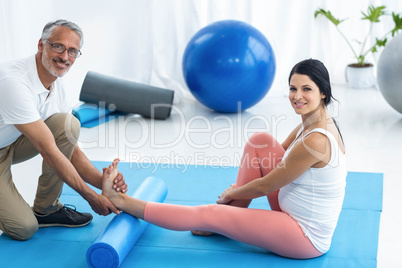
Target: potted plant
360,74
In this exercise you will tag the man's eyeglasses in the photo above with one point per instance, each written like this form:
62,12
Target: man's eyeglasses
59,48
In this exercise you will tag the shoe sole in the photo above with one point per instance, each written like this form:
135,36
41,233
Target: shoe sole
44,225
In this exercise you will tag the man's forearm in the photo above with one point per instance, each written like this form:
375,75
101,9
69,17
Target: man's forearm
67,172
85,168
41,137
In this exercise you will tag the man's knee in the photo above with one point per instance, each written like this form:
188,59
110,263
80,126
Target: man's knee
64,125
24,230
72,127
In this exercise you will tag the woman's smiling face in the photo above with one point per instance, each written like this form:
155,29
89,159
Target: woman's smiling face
304,95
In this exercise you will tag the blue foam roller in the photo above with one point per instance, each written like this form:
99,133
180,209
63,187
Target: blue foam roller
116,241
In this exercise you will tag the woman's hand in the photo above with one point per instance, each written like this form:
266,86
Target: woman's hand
226,197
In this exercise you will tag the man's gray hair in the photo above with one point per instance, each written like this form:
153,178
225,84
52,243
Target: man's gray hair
48,29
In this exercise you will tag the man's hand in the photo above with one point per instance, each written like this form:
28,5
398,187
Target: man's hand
119,183
91,174
102,205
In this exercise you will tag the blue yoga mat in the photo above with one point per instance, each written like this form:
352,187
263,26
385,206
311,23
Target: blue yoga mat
355,240
91,115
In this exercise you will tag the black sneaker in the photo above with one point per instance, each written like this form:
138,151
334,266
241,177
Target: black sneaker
65,217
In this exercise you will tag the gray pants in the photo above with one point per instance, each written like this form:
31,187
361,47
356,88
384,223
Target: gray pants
16,216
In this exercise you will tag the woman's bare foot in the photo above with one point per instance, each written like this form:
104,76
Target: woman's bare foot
109,174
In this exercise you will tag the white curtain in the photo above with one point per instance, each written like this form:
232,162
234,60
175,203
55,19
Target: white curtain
144,40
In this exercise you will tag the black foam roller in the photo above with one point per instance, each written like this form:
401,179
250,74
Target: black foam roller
127,96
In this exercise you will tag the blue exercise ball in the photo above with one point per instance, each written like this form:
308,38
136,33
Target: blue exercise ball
229,66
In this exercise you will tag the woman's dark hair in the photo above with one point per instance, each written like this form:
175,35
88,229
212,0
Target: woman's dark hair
318,73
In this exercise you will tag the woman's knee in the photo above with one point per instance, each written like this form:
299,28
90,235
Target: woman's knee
261,140
268,149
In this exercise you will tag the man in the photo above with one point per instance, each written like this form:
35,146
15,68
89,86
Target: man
34,119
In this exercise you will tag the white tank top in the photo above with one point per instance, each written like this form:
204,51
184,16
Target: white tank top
315,199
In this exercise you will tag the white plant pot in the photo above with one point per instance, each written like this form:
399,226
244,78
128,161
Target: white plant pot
360,77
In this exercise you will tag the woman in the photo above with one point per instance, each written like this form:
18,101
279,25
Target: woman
303,178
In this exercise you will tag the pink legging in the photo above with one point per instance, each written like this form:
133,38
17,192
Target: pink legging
273,230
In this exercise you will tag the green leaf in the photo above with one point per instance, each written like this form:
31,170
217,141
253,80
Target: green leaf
378,43
360,60
381,43
328,15
398,23
374,13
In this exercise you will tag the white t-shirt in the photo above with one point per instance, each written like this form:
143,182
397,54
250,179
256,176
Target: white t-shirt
24,99
315,199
